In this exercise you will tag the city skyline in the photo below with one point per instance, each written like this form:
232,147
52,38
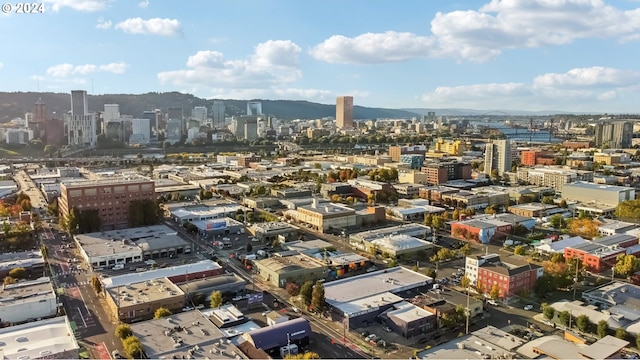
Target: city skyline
573,55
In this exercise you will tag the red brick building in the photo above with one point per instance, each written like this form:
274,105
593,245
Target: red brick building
245,160
537,157
482,231
510,279
600,255
110,196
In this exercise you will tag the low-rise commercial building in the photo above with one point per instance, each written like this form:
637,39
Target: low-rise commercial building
32,261
535,210
108,248
324,216
554,177
271,338
392,245
481,230
184,335
488,342
204,213
139,300
409,320
43,339
587,193
600,254
29,300
358,300
280,270
269,231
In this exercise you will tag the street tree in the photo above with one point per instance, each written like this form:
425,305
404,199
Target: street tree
123,331
621,333
519,250
602,328
96,284
293,289
583,323
306,291
317,297
627,265
465,282
495,292
18,273
549,312
564,318
133,347
161,312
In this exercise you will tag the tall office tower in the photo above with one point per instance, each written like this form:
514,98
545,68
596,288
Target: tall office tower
177,114
254,108
140,131
497,156
79,104
217,114
153,124
615,135
111,112
82,126
199,113
344,112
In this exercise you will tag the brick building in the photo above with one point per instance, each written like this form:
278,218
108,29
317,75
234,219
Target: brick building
396,151
511,275
442,172
537,157
111,196
245,160
600,255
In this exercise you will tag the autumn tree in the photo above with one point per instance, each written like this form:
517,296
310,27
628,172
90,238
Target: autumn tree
465,282
123,331
583,227
621,333
627,265
583,323
161,312
495,292
216,299
96,284
293,289
317,297
18,273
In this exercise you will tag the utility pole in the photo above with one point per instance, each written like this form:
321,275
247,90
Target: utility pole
575,279
468,312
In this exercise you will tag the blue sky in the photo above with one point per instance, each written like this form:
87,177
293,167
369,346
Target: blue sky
569,55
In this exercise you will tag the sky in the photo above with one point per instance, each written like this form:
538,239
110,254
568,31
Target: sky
536,55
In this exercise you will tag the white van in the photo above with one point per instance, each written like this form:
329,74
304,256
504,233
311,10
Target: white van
118,267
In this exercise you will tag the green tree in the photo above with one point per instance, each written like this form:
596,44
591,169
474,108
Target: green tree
431,272
602,328
18,273
303,356
563,204
638,341
428,220
249,247
557,221
490,210
161,312
564,318
216,299
545,284
495,292
123,331
465,250
547,200
306,291
549,312
583,323
621,333
317,297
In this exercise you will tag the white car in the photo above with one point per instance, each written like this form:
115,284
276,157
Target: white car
528,307
493,302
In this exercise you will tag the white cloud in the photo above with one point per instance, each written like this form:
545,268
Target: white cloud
588,77
385,47
80,5
267,73
67,70
480,35
143,4
1,66
576,87
103,24
155,26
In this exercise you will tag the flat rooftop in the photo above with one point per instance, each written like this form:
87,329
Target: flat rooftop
488,341
410,229
534,206
184,336
115,180
400,242
391,280
328,209
408,312
27,291
307,246
25,259
148,275
593,186
283,264
38,339
144,292
273,226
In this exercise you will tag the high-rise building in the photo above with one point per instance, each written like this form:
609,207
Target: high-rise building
497,156
615,135
79,103
199,113
140,131
174,131
82,126
152,116
111,112
254,108
344,112
217,114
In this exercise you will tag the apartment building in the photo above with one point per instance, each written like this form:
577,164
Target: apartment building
554,177
511,275
396,151
111,196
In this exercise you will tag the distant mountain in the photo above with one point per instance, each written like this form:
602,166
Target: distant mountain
498,112
16,104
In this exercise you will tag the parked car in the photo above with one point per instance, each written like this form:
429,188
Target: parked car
115,354
387,329
528,307
364,334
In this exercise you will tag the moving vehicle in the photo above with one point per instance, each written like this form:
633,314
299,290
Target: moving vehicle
492,302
